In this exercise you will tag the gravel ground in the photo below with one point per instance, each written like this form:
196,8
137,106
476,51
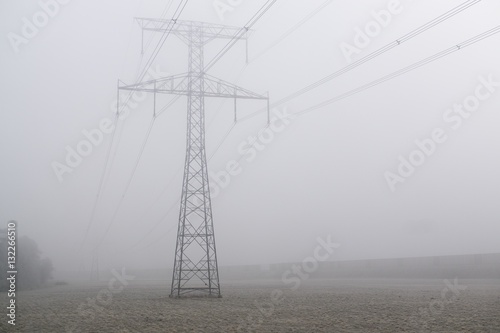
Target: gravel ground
356,305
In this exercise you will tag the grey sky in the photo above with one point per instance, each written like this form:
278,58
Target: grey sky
324,174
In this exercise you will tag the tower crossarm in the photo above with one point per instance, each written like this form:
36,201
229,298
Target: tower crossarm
179,85
175,85
215,87
183,28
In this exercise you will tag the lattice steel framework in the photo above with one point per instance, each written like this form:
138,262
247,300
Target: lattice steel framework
195,265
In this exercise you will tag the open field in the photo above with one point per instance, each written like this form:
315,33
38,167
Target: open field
340,305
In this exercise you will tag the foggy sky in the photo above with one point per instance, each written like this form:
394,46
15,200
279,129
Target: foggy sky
322,175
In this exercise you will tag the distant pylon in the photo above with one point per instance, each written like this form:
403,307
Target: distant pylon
195,265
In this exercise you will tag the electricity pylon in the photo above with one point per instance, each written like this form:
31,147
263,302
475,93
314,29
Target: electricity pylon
195,265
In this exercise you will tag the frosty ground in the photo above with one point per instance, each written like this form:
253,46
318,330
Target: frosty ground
337,305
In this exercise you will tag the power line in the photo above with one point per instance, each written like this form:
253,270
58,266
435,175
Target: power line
163,15
273,44
163,38
158,114
407,69
177,13
119,129
398,73
131,177
277,41
224,101
174,177
241,32
166,107
226,48
250,61
222,141
372,55
444,53
406,37
367,58
293,29
101,182
139,4
175,205
160,221
151,37
218,56
148,133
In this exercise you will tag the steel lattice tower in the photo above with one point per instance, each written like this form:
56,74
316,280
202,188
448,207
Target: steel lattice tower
195,264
